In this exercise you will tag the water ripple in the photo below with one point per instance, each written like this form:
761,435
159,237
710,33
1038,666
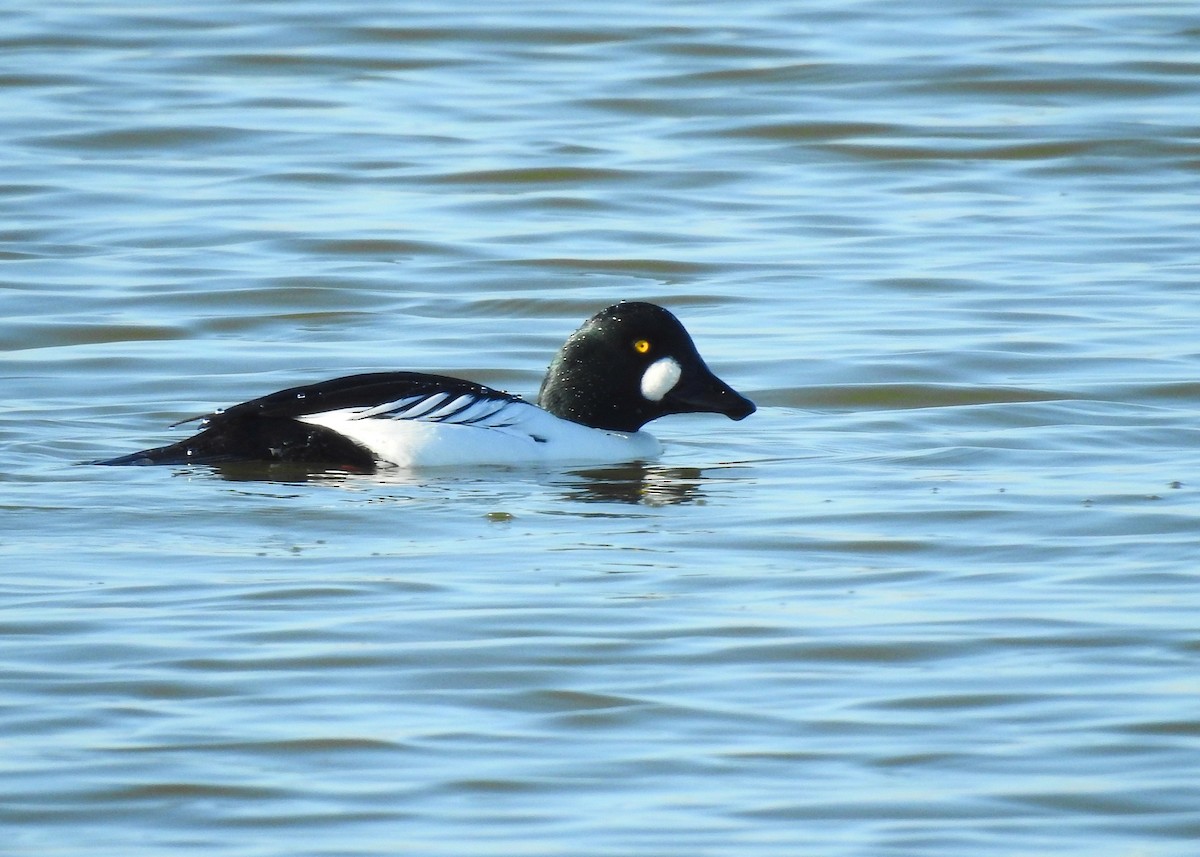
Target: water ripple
935,597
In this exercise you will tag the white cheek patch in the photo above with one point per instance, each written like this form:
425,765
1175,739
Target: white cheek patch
659,378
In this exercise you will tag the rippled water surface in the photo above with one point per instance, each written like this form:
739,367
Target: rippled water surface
937,597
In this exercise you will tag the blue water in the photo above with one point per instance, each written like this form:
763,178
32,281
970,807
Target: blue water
937,597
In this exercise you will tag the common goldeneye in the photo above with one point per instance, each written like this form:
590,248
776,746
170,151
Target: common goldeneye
627,365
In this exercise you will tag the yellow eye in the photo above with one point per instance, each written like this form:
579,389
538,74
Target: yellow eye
641,346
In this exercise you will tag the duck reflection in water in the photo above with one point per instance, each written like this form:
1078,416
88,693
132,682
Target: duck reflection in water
648,485
631,484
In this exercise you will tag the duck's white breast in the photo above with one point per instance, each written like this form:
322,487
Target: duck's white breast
515,433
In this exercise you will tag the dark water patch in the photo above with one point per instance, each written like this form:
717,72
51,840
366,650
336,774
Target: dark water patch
580,203
291,104
539,176
79,332
368,248
970,147
1103,802
572,702
1187,71
1000,81
815,653
663,106
152,138
816,130
68,42
654,268
169,792
17,256
38,80
509,34
986,702
280,665
316,63
759,74
325,745
892,396
291,321
1188,729
132,693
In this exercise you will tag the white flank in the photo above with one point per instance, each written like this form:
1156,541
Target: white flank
659,377
517,433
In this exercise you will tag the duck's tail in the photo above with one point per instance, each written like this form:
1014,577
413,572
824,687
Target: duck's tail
255,438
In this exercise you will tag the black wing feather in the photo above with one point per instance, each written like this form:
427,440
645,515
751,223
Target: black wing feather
367,390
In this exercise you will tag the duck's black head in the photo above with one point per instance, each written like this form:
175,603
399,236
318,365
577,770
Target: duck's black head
632,363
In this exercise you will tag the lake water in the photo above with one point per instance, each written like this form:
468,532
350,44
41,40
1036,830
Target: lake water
939,596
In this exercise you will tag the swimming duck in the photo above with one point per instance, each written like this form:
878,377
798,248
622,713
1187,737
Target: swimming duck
627,365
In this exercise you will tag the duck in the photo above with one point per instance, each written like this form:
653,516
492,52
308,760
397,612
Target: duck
629,364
